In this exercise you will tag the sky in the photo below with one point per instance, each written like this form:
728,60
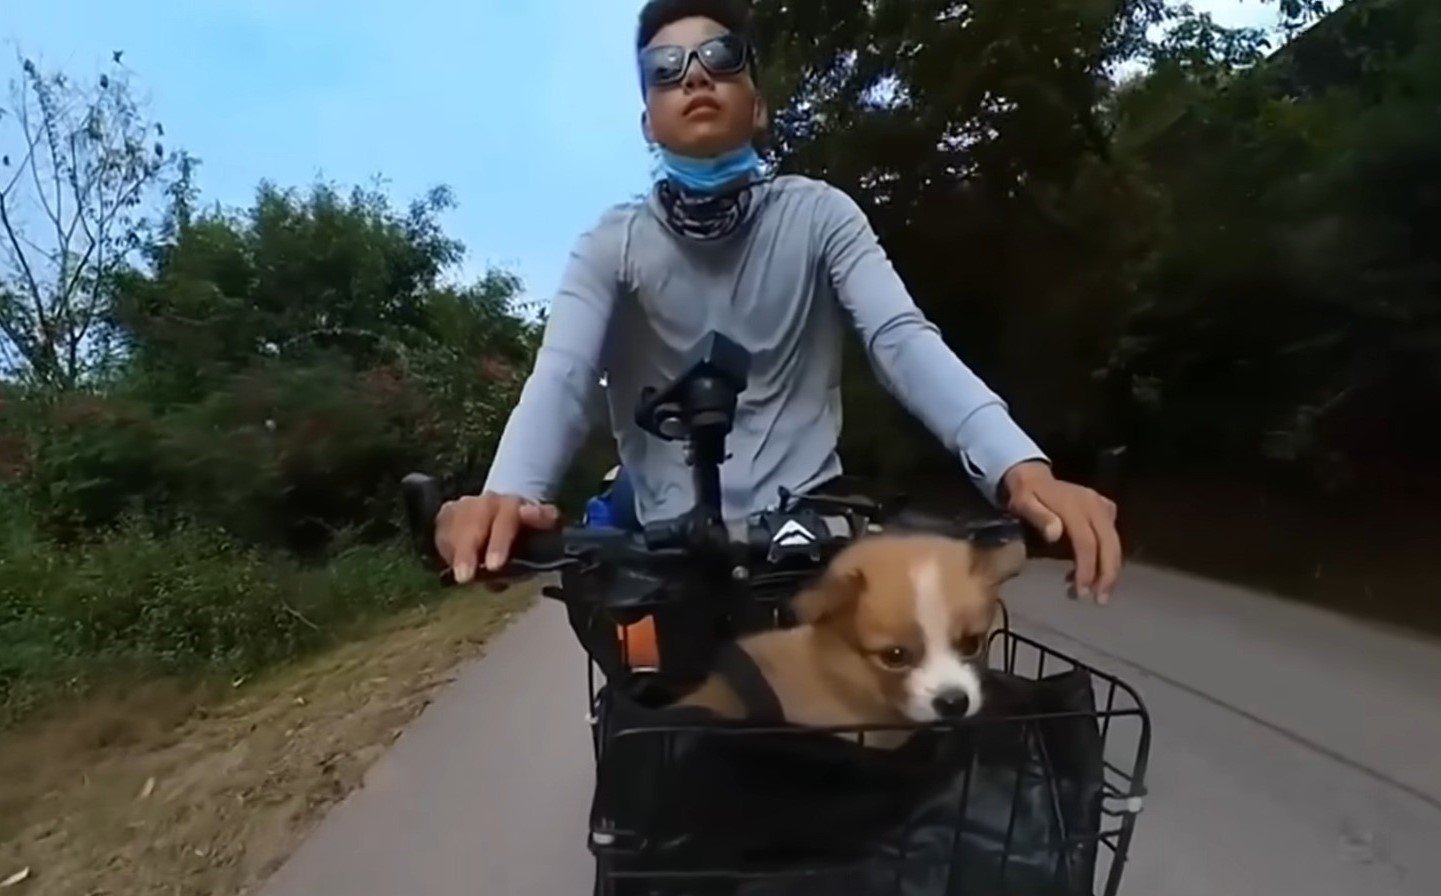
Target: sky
527,109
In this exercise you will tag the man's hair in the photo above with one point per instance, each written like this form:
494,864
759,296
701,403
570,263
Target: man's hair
734,15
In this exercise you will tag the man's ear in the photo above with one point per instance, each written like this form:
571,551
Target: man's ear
834,592
761,116
645,128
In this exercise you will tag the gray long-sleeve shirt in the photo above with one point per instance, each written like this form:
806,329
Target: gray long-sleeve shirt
635,297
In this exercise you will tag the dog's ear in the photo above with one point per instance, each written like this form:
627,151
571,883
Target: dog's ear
999,563
835,591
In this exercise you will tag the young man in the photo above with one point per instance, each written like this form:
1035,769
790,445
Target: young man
777,264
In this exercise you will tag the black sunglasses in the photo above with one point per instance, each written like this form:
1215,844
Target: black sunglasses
722,56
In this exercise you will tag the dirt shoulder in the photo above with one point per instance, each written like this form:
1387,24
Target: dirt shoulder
185,792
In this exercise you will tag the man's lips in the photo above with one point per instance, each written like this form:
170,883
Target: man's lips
699,103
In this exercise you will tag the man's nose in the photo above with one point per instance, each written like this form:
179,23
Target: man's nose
951,704
696,74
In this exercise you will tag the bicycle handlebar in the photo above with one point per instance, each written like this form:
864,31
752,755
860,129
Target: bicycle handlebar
699,408
802,531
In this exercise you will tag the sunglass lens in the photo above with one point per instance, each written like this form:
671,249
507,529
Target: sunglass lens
662,65
723,55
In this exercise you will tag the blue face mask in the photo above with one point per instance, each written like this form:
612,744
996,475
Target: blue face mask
710,176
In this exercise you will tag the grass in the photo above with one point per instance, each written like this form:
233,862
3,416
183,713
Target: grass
177,709
191,604
178,789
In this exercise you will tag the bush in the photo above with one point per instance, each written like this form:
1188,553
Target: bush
283,369
217,489
192,602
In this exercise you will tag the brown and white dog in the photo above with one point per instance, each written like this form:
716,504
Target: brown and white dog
894,632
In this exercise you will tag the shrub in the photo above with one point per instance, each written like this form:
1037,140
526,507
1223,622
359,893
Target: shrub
222,493
191,602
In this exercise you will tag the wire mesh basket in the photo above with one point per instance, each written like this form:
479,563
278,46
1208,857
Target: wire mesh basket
1039,795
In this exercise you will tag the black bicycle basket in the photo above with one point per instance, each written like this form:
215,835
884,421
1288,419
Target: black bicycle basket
1021,800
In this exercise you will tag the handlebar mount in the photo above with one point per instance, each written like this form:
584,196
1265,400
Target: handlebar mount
698,408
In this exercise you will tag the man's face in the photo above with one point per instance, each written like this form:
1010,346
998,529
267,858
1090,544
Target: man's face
705,113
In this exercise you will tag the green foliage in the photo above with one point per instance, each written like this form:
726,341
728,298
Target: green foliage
286,367
291,278
1137,224
193,602
230,497
975,136
1290,310
213,486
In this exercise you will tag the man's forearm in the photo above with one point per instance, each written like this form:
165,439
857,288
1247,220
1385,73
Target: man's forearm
951,400
912,360
554,413
546,428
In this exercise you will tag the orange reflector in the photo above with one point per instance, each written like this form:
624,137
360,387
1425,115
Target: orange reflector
638,644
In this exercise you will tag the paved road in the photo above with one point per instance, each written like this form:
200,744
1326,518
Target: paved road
1295,752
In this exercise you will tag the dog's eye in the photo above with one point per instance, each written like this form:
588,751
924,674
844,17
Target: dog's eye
894,657
970,645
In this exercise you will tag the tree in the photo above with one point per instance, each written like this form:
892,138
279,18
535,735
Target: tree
285,365
297,275
974,135
1288,314
78,162
1065,183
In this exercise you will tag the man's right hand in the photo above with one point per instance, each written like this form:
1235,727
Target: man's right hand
486,525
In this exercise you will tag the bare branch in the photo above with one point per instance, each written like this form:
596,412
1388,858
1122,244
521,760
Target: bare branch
32,285
71,214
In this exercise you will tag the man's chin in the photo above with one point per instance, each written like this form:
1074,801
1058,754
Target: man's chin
703,142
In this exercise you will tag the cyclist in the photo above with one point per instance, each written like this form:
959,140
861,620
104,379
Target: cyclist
776,263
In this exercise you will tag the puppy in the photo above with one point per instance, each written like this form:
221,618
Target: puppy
894,632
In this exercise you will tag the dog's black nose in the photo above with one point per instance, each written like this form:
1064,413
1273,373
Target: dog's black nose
951,704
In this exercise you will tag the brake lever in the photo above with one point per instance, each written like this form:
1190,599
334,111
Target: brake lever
995,531
792,502
512,570
534,566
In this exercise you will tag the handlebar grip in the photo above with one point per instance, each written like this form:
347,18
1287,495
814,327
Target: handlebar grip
422,496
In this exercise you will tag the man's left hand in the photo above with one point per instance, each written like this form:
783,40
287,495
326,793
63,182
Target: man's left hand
1058,508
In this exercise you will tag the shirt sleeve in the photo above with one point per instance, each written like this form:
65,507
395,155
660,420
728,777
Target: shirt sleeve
909,356
557,403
